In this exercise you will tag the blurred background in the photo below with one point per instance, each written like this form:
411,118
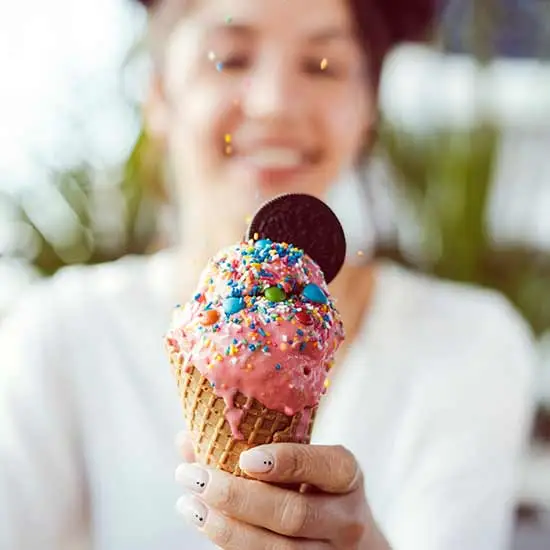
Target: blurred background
460,185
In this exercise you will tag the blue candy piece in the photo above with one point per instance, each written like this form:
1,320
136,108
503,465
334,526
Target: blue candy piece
263,243
233,304
314,294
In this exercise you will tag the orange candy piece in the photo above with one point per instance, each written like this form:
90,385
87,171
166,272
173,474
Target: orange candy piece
209,317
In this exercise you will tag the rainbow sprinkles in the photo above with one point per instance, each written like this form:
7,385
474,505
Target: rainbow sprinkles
262,323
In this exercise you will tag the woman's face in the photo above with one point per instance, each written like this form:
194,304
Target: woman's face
259,98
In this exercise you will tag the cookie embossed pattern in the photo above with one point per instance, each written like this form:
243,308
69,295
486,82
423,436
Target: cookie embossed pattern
253,348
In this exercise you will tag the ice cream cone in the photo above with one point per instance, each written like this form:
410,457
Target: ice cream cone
214,442
252,348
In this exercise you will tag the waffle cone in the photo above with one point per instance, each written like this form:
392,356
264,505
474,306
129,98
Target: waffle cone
212,437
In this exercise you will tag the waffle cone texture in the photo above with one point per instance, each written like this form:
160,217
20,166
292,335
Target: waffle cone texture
204,414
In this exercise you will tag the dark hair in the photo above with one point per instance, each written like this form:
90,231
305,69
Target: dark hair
380,25
383,24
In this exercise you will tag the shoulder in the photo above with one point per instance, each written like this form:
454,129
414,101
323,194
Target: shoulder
52,309
129,277
468,361
113,279
458,331
455,314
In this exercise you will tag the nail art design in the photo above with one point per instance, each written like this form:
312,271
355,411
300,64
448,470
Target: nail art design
192,477
198,517
193,510
256,461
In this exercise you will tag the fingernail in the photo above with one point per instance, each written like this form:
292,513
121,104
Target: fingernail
192,476
256,461
192,509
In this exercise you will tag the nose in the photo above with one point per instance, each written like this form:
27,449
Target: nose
272,92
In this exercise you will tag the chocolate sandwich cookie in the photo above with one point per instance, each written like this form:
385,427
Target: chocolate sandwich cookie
306,222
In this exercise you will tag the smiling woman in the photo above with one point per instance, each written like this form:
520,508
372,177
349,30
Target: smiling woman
249,100
222,69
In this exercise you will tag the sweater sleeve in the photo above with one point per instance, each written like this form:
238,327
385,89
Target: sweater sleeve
466,430
41,478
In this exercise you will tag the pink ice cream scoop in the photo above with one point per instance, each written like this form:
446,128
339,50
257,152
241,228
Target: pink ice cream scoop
261,323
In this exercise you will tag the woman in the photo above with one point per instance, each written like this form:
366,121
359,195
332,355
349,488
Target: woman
418,440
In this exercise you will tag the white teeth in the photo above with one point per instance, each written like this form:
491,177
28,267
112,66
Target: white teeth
275,157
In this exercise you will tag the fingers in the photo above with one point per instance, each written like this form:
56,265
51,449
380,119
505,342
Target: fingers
184,445
279,510
333,469
231,534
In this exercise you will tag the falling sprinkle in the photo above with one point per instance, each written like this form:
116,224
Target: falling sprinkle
228,150
228,19
219,66
324,64
360,253
211,56
227,138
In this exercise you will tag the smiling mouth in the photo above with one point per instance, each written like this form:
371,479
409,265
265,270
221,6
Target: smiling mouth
275,159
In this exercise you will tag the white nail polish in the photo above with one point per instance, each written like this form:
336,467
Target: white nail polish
193,510
256,461
192,476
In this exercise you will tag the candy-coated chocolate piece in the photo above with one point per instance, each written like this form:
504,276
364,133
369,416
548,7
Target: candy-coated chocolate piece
275,294
233,305
209,317
304,317
314,294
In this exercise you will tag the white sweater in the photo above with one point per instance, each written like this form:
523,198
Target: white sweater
434,399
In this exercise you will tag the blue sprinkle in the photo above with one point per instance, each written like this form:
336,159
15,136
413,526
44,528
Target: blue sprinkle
233,305
197,296
219,66
266,349
314,294
251,347
300,332
302,346
262,331
278,366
